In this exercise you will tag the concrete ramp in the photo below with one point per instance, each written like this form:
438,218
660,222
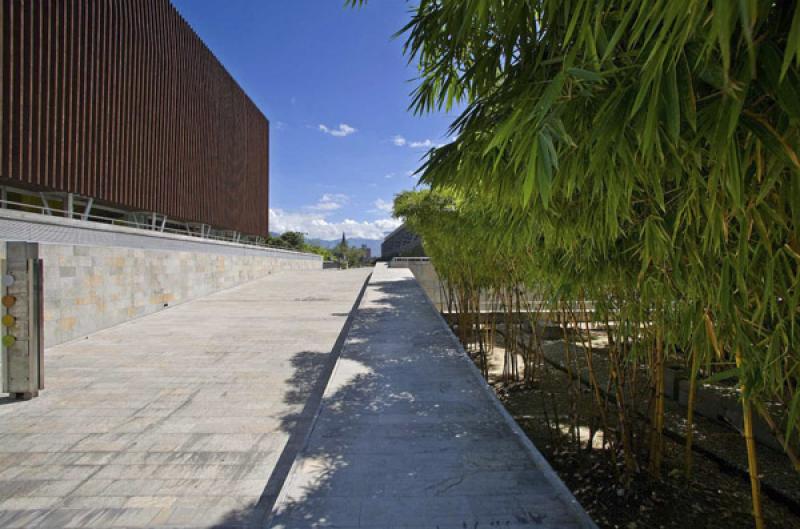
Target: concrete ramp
409,436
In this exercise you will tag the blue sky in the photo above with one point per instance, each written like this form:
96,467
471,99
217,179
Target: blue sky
335,87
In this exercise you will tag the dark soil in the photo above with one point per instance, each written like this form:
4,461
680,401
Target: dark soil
711,499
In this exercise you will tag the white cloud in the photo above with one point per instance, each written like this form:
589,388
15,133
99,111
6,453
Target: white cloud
343,130
316,226
425,144
383,205
330,202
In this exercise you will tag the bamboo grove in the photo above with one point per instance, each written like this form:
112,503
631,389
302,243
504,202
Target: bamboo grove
637,157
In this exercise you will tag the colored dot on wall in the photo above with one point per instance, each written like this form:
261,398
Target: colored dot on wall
8,320
9,301
9,340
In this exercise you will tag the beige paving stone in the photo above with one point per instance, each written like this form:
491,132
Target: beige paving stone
176,419
150,501
94,502
29,502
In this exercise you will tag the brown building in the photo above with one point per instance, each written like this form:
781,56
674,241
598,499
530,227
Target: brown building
118,103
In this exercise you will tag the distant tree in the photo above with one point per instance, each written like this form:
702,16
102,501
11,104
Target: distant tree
348,256
275,242
293,240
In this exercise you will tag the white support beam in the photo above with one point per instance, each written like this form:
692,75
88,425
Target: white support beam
87,210
45,204
70,206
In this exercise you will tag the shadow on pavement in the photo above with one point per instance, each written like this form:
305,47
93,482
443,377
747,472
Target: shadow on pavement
407,438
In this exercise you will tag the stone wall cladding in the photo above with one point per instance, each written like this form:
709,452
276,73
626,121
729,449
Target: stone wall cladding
88,288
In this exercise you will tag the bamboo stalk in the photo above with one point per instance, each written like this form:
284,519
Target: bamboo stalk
657,424
601,403
687,455
752,456
623,424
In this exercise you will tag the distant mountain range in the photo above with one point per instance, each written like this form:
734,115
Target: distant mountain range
372,244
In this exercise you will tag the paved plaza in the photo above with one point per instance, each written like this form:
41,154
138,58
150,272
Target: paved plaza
229,412
177,419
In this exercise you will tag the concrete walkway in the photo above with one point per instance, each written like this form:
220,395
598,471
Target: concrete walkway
409,436
189,417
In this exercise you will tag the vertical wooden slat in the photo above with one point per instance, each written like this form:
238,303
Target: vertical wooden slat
49,83
123,84
62,145
111,69
15,85
163,111
116,133
173,187
27,91
149,115
97,103
4,85
37,82
137,139
133,103
102,155
194,132
92,101
80,99
114,95
185,183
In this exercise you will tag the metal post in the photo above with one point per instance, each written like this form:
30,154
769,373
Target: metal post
3,197
163,223
153,221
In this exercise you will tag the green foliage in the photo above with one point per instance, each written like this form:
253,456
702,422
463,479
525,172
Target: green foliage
293,240
652,141
644,155
326,253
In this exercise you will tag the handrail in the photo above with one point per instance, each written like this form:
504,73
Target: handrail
47,211
410,259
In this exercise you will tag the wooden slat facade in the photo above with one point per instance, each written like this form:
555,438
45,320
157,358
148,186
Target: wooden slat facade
121,101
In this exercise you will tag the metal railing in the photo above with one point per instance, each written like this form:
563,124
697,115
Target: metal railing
157,224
